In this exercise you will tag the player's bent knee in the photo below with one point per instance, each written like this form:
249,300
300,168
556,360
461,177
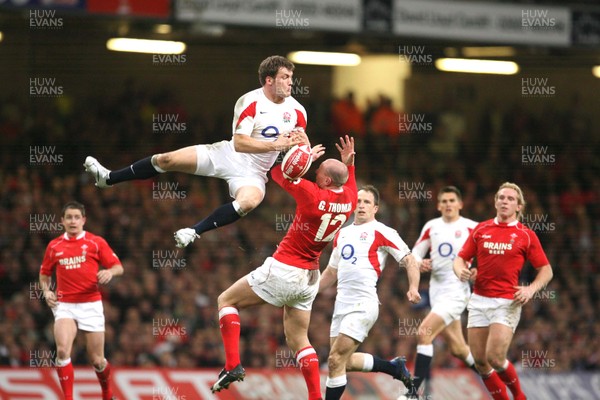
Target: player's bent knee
497,362
334,361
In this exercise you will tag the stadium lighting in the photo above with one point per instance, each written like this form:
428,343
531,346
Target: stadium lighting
163,29
596,71
145,46
324,58
1,36
477,66
489,51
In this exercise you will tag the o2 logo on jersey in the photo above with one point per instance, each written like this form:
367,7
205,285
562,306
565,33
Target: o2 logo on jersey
266,132
445,250
347,253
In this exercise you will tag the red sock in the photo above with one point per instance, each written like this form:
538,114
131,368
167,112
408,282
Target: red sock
309,365
229,322
495,386
66,377
511,379
104,379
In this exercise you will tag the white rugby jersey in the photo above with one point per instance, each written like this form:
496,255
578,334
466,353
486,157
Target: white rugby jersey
359,255
443,240
257,116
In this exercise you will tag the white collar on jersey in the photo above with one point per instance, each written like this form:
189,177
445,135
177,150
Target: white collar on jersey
514,223
80,236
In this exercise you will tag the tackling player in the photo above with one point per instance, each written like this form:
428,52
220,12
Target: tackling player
358,258
76,257
443,237
501,245
265,121
290,278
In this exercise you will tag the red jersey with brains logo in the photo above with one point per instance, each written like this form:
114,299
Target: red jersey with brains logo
501,250
320,213
76,261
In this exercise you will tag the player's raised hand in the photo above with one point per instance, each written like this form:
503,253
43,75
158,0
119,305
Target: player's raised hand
346,149
317,151
287,140
299,132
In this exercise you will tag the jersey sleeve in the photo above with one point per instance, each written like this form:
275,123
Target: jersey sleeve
243,115
351,184
48,263
299,187
107,257
469,249
423,244
391,241
535,252
300,116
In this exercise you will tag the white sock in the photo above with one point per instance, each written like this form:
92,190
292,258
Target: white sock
368,363
470,360
425,349
62,363
336,382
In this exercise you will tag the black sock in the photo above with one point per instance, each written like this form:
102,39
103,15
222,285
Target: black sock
474,368
381,365
422,370
334,393
142,169
222,216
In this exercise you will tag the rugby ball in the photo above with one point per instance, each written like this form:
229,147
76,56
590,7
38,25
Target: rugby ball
296,162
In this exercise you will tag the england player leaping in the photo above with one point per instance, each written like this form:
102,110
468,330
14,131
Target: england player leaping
358,257
290,279
265,121
443,237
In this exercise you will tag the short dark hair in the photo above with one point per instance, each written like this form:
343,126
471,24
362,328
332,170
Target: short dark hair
371,189
73,205
450,189
270,67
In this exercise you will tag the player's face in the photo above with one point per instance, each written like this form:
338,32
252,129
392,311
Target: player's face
507,204
365,208
73,221
283,83
449,205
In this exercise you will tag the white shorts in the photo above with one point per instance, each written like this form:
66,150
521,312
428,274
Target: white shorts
216,160
484,311
88,316
449,304
280,284
354,320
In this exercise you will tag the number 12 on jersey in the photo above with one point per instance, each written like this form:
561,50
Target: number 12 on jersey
326,222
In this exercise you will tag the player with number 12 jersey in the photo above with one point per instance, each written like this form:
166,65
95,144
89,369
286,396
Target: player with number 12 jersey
320,213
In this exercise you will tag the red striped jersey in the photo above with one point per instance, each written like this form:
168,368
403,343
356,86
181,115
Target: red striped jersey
257,116
320,213
501,250
76,262
359,254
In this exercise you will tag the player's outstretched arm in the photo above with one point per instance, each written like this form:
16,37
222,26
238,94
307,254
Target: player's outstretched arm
346,149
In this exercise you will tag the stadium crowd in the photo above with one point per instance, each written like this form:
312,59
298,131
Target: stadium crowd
162,312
